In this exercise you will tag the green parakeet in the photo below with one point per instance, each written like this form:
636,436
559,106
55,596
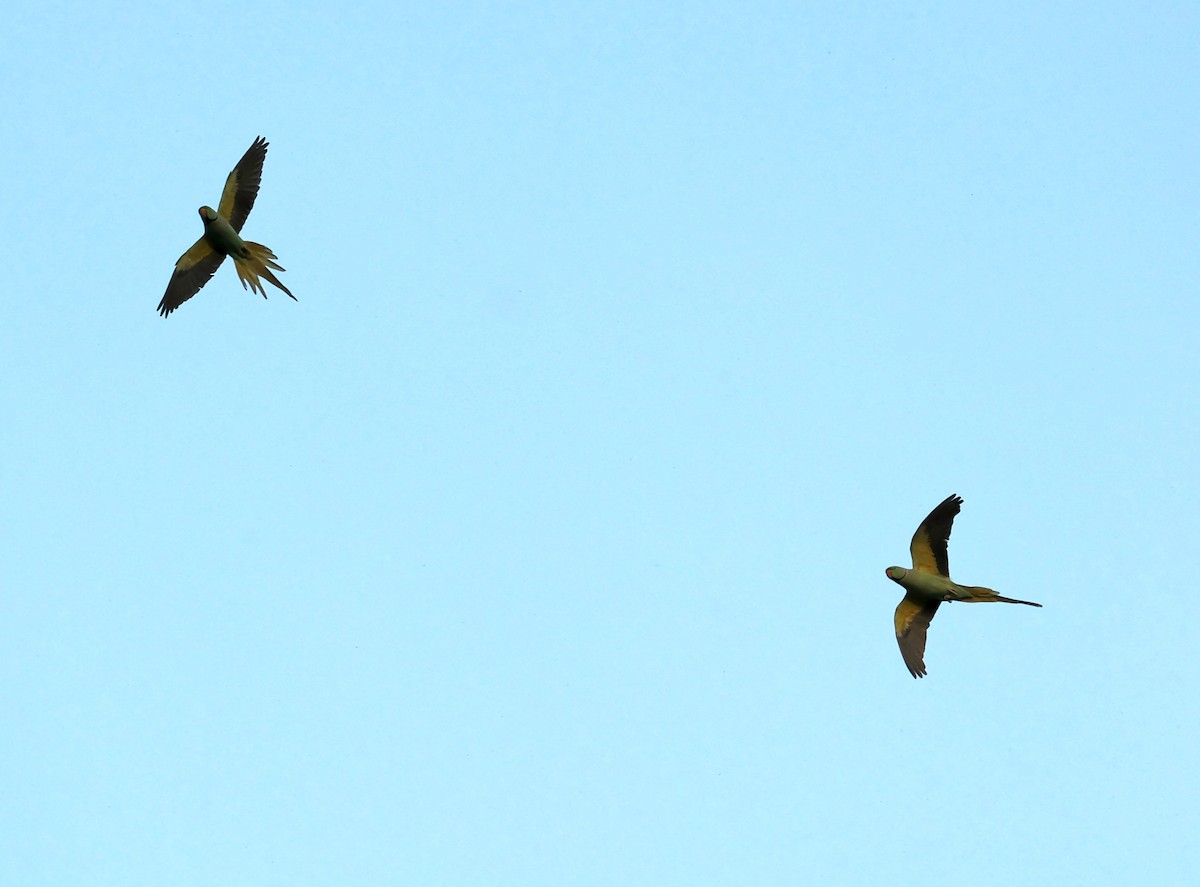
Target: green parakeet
220,239
928,584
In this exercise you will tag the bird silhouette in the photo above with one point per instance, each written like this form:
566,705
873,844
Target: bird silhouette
252,261
928,584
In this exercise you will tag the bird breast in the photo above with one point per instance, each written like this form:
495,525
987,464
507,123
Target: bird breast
929,586
223,238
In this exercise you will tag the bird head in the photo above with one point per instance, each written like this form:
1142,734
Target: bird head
896,573
207,214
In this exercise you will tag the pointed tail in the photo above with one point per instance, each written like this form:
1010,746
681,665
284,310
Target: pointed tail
1013,600
257,263
979,594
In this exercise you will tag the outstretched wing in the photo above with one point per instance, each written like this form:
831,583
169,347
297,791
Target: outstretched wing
242,185
194,269
928,546
912,623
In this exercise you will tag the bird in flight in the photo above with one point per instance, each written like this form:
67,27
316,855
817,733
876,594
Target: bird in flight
928,583
220,239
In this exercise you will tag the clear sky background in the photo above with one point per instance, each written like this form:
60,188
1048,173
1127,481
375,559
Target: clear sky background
541,542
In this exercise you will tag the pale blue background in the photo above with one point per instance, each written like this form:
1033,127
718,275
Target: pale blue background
542,541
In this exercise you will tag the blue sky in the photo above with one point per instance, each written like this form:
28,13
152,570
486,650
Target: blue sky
542,540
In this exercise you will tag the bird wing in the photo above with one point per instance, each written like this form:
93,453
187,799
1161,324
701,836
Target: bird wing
242,185
928,546
194,269
912,622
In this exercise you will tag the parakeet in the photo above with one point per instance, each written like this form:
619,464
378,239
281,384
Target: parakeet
220,239
928,583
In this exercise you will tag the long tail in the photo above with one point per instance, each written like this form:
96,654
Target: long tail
257,263
979,594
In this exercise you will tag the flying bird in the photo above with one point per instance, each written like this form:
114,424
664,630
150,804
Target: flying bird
220,239
928,583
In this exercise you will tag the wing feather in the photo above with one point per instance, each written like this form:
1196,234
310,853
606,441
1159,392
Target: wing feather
912,624
194,269
241,187
928,546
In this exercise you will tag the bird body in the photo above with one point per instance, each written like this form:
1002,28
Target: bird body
928,584
220,234
221,238
930,587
